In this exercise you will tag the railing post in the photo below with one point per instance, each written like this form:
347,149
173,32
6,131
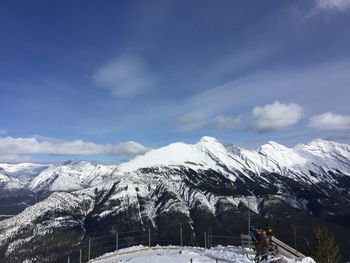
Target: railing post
149,237
117,241
205,240
89,249
80,256
180,234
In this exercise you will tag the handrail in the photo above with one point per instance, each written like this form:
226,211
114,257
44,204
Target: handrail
287,248
282,248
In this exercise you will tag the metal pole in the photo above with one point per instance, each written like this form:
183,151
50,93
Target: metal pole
205,239
248,215
180,234
80,256
248,219
68,259
149,237
295,236
117,241
89,249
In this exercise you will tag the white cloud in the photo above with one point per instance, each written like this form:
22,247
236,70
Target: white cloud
227,122
190,121
337,5
330,121
126,76
15,146
276,116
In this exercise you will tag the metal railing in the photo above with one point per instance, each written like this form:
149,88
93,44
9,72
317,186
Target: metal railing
93,247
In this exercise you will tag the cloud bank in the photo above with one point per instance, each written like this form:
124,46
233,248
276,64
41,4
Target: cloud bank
13,147
330,121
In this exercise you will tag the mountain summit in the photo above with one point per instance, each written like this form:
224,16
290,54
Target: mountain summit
209,184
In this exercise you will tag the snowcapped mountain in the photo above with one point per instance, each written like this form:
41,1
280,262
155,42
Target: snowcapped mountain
67,176
209,184
314,163
70,176
318,156
23,171
14,178
6,182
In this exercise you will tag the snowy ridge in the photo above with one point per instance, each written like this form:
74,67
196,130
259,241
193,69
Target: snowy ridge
23,171
318,156
6,182
70,176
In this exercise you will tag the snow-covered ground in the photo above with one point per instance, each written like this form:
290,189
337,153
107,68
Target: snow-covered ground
170,254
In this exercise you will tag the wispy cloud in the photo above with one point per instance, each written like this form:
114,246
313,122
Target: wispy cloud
276,116
330,121
227,122
125,76
337,5
190,121
10,146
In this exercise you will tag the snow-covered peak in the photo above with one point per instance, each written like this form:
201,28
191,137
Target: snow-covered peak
8,183
272,146
24,171
70,176
208,139
322,148
281,155
318,156
205,154
14,167
328,155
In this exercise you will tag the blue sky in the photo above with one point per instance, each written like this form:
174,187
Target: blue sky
107,80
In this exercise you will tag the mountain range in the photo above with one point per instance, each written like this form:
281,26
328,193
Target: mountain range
207,186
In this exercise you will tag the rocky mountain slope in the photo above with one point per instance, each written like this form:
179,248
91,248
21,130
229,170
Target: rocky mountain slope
205,186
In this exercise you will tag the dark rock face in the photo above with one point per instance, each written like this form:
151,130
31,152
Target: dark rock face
161,200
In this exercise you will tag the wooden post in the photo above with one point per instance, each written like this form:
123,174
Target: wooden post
68,259
191,260
216,260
